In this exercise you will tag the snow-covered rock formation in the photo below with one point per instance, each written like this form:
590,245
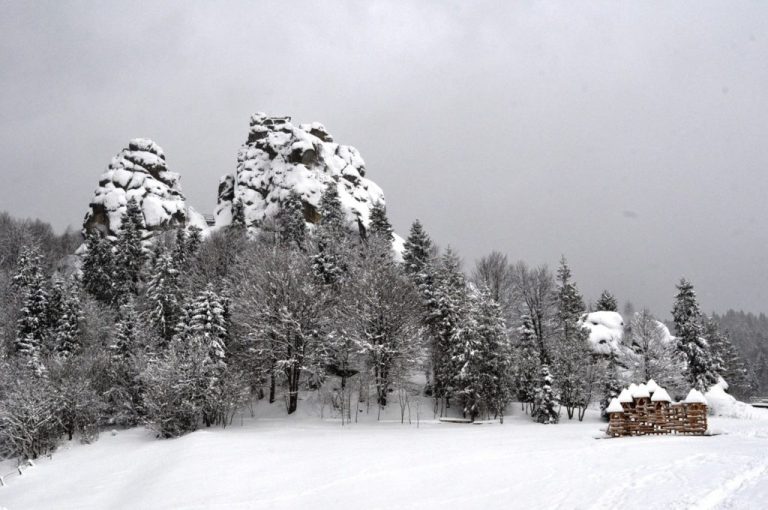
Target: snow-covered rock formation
139,171
279,157
606,330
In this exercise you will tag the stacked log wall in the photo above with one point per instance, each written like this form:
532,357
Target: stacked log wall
643,417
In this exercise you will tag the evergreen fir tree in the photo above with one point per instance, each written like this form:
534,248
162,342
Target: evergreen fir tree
66,328
611,386
379,225
484,379
29,268
163,296
607,303
194,240
291,225
126,342
130,256
332,217
180,251
124,396
98,269
447,309
545,406
726,359
527,363
330,262
700,370
207,319
33,323
571,353
417,251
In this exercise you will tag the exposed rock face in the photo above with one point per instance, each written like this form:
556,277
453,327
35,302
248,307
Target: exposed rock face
279,157
139,171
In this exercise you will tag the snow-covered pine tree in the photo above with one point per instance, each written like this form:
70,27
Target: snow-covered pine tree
290,222
527,364
29,268
98,269
545,405
606,303
163,296
485,359
194,240
700,369
571,351
124,397
611,386
33,324
729,364
447,309
207,320
380,225
417,251
179,251
65,328
130,255
329,263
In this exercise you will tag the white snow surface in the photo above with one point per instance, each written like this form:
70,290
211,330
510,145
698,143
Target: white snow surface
278,462
651,385
606,330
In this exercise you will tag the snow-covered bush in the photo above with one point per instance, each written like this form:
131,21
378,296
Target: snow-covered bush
30,410
175,387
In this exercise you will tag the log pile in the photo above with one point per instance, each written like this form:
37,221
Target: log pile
646,409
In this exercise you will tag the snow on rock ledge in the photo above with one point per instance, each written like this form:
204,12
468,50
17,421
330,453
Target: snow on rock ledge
139,171
279,157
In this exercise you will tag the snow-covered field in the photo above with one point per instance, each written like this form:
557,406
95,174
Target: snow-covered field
303,462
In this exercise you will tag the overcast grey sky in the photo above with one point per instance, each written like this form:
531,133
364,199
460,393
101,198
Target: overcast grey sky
630,137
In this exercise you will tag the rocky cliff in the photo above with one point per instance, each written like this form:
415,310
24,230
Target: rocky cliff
139,171
279,157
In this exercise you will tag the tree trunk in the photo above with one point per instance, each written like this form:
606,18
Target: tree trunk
272,388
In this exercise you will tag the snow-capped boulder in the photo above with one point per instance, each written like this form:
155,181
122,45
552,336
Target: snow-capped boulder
139,171
606,329
279,157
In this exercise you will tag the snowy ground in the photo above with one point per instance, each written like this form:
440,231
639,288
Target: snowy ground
304,462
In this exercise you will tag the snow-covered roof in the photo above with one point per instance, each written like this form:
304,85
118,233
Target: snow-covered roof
606,329
660,395
695,397
625,396
614,406
640,391
651,385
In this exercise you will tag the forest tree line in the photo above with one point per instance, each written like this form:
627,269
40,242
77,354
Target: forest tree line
184,331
